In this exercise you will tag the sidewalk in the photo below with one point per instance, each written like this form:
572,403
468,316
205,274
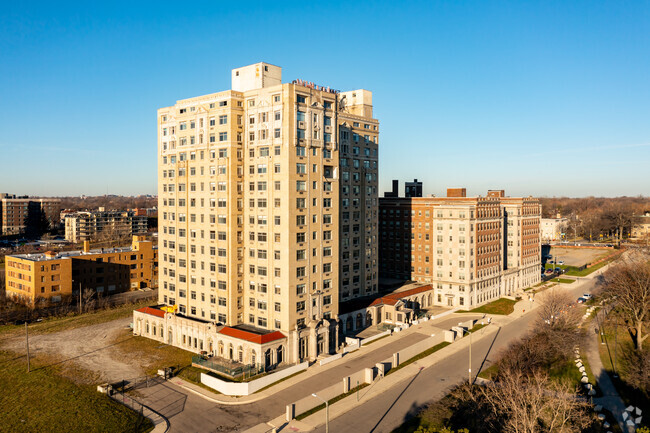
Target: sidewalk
610,400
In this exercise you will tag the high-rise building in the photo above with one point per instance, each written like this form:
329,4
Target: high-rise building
27,215
267,217
471,249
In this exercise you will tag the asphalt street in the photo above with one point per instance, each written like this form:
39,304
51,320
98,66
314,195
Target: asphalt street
389,410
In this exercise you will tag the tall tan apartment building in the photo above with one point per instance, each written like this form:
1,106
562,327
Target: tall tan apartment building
20,215
472,250
267,217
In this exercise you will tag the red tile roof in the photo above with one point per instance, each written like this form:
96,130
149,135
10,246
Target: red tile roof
393,298
410,292
153,311
250,336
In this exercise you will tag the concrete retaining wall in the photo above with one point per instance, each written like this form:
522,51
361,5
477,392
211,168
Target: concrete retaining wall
375,337
330,359
248,388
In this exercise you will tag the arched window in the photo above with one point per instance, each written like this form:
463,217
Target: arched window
253,357
240,354
146,325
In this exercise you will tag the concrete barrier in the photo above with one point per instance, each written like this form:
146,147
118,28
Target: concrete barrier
348,349
450,336
248,388
375,337
332,358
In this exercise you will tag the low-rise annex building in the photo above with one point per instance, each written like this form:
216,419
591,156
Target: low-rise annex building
51,277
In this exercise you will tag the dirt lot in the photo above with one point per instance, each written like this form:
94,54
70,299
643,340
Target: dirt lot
578,256
93,348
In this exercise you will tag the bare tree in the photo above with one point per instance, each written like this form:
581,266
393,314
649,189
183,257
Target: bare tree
557,311
528,403
629,283
87,299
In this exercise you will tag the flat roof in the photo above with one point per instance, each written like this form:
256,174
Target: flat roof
40,257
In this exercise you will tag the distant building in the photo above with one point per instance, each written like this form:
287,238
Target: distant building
27,215
413,189
553,228
472,250
641,226
395,190
51,277
88,225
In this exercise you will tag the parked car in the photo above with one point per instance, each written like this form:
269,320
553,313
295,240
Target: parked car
561,262
558,270
587,295
549,271
581,300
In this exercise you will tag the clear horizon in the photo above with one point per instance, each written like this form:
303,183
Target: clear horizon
542,99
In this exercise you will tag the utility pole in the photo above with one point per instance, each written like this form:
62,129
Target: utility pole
27,344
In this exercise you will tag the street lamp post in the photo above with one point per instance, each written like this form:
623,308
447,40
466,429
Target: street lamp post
327,412
470,353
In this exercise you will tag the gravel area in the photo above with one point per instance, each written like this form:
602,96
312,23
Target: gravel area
91,348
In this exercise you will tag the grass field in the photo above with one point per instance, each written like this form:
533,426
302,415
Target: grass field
150,354
563,280
44,401
501,306
57,324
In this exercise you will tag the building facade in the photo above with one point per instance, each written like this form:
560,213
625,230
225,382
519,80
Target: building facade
267,212
472,250
27,215
413,189
92,225
52,277
553,228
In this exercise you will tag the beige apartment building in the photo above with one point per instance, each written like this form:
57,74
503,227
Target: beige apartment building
267,218
472,250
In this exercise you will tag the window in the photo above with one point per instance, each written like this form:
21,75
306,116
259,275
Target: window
300,99
301,185
301,168
300,151
223,119
300,306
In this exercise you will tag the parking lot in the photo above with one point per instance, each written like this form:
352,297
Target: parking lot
577,256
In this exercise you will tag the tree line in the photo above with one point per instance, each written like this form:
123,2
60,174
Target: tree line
591,217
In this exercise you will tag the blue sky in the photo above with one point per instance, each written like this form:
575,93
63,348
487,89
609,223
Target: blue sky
541,98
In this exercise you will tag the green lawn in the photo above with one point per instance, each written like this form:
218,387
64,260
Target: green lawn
563,280
421,355
44,401
57,324
502,306
330,401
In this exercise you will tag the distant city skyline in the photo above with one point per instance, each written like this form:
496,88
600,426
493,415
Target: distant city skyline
537,98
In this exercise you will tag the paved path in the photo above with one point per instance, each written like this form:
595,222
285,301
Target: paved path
610,400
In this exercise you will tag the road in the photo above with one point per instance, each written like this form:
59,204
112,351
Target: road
389,410
188,412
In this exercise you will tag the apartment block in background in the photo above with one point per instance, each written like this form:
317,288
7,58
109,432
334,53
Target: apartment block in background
267,207
472,250
27,215
52,277
413,189
93,225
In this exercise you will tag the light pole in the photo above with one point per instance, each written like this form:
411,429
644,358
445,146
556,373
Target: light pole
470,352
327,412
